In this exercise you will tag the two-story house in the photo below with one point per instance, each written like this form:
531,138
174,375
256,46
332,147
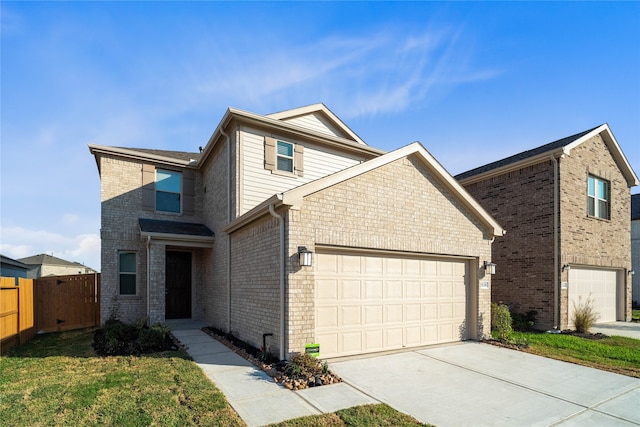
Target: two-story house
566,206
289,224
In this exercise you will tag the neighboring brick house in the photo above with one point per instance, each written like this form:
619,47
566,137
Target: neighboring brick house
565,206
398,246
635,247
42,265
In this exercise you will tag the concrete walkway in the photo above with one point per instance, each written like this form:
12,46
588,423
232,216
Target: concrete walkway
622,329
251,392
473,384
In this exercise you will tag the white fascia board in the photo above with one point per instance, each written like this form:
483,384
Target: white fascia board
137,155
296,196
314,108
180,239
255,213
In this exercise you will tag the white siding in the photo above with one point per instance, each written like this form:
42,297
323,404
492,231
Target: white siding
258,184
317,123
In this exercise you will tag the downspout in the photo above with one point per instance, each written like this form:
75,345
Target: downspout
228,236
272,211
556,292
148,279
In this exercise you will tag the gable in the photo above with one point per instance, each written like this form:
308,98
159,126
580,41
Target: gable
557,149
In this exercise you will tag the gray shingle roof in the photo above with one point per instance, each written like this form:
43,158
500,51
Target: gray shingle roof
180,155
45,259
174,227
524,155
635,206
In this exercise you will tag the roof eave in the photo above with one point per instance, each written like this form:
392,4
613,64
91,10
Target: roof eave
98,150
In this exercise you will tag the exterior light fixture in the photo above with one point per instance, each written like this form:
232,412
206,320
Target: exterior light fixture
632,272
305,256
489,267
566,267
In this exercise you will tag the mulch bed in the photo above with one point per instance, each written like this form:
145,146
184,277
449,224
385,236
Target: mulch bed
274,368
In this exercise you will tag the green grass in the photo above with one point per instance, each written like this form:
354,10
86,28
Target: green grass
57,379
635,315
615,354
367,415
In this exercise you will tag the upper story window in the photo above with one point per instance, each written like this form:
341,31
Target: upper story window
127,273
168,190
283,157
598,197
284,160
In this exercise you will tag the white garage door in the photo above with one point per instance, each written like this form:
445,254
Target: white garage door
367,303
599,285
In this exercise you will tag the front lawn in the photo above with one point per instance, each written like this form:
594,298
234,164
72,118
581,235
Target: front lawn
615,354
635,315
57,379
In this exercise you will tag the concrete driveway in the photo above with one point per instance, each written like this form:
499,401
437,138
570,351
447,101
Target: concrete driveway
623,329
474,384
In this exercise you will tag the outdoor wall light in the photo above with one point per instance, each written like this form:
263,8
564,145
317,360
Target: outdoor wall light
632,272
489,267
566,267
305,256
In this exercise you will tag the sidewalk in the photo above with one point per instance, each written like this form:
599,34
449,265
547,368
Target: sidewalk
251,392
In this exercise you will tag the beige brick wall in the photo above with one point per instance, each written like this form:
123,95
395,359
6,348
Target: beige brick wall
121,197
400,206
255,292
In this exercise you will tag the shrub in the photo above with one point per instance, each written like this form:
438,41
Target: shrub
524,322
304,365
584,315
501,322
119,338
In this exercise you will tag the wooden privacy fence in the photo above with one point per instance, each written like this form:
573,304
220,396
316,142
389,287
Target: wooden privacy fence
69,302
47,304
16,312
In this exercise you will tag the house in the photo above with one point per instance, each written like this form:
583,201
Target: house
10,267
42,265
635,247
289,228
566,207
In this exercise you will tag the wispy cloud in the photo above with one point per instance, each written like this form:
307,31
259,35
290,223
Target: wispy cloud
83,248
388,71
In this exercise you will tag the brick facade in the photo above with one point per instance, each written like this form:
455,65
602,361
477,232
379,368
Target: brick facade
522,201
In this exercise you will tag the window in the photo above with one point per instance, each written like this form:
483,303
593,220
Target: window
284,160
168,189
127,270
598,198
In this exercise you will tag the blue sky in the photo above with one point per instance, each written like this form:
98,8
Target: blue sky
473,81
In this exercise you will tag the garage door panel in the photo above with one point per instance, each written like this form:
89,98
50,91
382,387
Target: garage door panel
350,289
371,303
598,285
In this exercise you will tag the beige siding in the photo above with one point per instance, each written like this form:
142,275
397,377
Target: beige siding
635,259
317,123
258,183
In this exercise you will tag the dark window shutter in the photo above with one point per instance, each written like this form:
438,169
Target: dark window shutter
269,153
148,187
188,192
299,159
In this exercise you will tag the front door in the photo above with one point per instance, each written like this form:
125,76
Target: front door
178,285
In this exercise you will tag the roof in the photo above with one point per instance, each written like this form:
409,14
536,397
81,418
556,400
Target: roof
176,233
10,261
178,155
557,149
295,196
276,122
635,207
45,259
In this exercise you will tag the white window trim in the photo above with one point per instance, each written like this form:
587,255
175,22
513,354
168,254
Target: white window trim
596,199
292,157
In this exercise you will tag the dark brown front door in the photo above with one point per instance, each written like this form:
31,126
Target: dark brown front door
178,285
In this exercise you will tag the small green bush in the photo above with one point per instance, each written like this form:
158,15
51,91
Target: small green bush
119,338
304,365
501,322
584,315
524,322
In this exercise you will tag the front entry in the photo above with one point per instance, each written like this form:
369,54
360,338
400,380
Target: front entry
178,285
